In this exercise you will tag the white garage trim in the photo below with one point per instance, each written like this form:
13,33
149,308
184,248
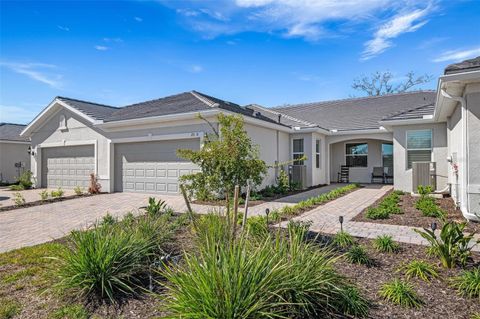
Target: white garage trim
71,143
13,142
163,137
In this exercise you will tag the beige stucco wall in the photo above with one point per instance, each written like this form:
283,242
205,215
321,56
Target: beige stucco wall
357,174
473,137
11,153
402,175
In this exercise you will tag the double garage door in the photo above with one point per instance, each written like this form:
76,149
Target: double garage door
152,166
67,166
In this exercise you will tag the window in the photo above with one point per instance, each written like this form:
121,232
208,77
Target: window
356,155
298,151
62,125
387,156
419,146
317,153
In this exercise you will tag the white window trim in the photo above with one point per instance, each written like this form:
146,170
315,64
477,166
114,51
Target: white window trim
389,143
318,164
417,149
345,153
296,153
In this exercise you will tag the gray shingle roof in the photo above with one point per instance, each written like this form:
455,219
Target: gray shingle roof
284,119
415,113
94,110
357,113
11,132
464,66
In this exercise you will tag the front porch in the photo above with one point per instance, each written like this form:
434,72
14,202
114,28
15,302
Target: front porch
361,160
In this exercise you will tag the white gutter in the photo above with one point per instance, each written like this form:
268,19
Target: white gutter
424,120
464,204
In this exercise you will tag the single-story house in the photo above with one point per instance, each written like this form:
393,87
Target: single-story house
133,148
14,156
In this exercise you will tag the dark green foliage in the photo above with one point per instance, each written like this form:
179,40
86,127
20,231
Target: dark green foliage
419,269
386,244
377,213
26,179
468,283
342,239
358,255
108,220
424,190
283,182
453,246
429,207
388,205
154,208
401,293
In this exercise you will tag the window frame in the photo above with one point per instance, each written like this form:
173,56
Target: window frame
318,144
347,155
302,153
407,149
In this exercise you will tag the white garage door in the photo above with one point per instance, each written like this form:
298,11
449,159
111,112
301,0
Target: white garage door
67,166
152,166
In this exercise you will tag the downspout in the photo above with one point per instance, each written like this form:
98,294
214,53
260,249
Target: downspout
464,205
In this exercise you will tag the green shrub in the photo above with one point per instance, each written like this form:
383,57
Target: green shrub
18,199
57,193
401,293
75,311
377,213
386,244
16,187
154,208
44,195
429,208
424,190
453,247
468,283
9,308
288,211
398,192
283,182
342,239
108,220
78,190
26,179
358,255
419,269
257,226
281,276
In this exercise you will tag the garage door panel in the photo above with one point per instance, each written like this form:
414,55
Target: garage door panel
68,166
152,166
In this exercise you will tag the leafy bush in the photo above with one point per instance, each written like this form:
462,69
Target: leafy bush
57,193
343,239
44,195
283,182
18,199
468,283
429,208
78,190
108,220
281,276
154,208
401,293
420,269
16,187
358,255
9,308
386,244
26,179
424,190
453,247
377,213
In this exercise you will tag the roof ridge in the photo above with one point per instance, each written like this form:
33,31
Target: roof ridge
406,111
7,123
203,98
286,116
89,102
353,99
152,100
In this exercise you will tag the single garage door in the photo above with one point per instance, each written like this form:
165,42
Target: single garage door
67,166
152,166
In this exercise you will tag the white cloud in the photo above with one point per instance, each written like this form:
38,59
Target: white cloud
196,68
138,19
458,55
116,40
399,24
36,71
16,114
63,28
101,48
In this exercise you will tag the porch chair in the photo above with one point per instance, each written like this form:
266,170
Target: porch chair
389,175
343,175
378,173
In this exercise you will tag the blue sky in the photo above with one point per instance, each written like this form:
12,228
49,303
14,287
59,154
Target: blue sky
269,52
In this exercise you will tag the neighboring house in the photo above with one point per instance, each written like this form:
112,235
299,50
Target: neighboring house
133,148
14,152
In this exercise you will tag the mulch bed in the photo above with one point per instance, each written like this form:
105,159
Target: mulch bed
441,301
44,202
252,203
414,218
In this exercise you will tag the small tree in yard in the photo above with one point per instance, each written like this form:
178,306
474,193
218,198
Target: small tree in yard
228,158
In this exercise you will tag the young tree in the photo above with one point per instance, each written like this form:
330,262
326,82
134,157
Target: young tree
228,158
380,83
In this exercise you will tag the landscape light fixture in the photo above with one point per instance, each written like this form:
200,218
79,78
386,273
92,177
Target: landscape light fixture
340,219
267,212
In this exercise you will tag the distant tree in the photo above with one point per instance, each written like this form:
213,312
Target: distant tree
380,83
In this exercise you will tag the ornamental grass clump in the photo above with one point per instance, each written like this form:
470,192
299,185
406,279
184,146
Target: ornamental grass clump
468,283
401,293
358,255
386,244
279,276
342,239
419,269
